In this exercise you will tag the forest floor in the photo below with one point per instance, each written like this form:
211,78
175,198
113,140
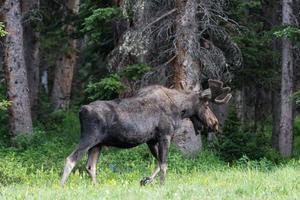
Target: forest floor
207,179
33,171
281,183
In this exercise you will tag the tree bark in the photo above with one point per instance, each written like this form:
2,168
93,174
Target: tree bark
32,59
238,101
286,116
16,75
297,57
64,70
187,68
275,119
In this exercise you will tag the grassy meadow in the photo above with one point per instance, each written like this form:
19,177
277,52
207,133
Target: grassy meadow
33,169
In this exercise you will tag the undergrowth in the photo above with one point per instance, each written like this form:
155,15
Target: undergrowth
32,170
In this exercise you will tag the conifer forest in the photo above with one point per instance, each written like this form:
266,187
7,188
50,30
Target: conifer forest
150,99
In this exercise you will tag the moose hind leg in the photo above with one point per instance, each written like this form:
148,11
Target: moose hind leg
163,149
154,150
72,159
93,156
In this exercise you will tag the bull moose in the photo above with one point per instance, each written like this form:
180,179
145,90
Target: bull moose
152,116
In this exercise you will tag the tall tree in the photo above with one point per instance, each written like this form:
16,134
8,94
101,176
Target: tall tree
272,12
31,47
64,70
16,74
286,119
187,67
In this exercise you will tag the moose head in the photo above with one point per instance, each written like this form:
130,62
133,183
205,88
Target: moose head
217,94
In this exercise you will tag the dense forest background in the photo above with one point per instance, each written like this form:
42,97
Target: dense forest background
58,55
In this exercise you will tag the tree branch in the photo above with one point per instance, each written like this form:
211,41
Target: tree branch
160,18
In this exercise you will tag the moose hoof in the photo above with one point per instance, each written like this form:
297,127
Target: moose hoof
145,181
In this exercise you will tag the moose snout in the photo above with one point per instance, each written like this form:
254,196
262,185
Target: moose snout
210,120
214,125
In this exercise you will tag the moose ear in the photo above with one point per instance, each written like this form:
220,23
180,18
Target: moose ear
206,94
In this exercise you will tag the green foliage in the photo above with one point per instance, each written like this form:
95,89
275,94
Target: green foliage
136,71
33,171
96,25
262,164
4,103
100,25
2,30
261,62
110,87
51,27
235,142
297,97
293,33
106,89
60,126
40,154
297,126
24,141
97,19
296,133
240,10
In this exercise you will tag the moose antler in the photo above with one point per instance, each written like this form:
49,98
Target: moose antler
216,92
219,94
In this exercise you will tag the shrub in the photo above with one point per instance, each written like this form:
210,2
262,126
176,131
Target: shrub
106,89
296,130
136,71
23,141
95,25
297,97
235,142
110,87
2,30
4,136
297,126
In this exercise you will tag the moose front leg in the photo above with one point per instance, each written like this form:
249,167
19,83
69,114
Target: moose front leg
154,151
163,149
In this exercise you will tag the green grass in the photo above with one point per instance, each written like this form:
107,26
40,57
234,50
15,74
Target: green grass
239,182
33,171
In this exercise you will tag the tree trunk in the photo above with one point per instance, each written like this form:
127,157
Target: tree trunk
64,70
143,17
272,11
239,102
275,119
286,116
187,68
32,59
297,57
16,74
